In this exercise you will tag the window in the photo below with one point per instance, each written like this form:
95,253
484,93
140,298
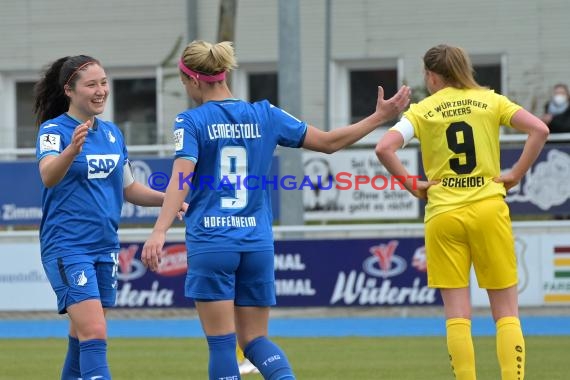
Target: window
489,76
135,110
25,118
263,86
363,92
354,88
254,81
488,71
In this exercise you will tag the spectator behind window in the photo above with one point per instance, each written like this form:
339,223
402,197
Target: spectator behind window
556,111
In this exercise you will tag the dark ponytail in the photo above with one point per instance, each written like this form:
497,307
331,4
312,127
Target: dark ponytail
49,93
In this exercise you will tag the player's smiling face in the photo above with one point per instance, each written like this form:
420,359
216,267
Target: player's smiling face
89,93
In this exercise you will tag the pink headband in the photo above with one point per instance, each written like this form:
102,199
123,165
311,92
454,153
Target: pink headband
199,76
77,70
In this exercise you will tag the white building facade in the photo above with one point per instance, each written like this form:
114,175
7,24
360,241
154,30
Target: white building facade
519,48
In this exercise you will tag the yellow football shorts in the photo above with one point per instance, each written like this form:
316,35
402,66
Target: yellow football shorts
479,233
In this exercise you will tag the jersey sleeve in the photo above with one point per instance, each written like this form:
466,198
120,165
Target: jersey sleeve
290,131
128,176
506,110
185,138
411,115
124,143
405,128
50,140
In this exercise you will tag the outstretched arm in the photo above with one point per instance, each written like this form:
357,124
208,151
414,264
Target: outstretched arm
138,194
330,142
176,192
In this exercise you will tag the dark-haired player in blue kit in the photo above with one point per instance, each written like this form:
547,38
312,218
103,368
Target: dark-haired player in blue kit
229,223
84,169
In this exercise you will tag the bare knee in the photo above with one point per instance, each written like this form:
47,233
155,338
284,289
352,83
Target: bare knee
244,340
93,330
504,302
88,320
251,323
456,303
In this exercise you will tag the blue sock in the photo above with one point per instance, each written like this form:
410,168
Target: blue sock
269,359
93,359
71,369
223,362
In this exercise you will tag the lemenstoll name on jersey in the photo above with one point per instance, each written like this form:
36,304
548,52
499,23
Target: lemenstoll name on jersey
233,131
101,165
229,221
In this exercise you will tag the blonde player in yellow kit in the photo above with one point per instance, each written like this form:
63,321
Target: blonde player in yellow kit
466,218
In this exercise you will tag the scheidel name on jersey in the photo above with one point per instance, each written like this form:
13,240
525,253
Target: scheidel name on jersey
101,165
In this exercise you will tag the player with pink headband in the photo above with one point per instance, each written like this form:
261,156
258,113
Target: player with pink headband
229,234
201,76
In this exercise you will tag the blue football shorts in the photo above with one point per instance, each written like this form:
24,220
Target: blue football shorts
77,278
248,278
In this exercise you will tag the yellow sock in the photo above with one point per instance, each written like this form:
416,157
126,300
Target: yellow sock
510,348
460,347
239,354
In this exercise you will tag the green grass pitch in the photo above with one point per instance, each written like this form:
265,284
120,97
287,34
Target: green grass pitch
312,358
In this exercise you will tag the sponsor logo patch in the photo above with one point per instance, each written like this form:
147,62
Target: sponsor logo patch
179,139
101,165
49,142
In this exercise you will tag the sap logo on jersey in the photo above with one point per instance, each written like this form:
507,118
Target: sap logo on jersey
101,165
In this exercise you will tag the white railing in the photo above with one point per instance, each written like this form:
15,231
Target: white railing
167,150
380,230
510,138
164,150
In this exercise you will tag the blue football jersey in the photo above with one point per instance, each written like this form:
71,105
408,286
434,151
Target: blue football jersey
232,143
81,213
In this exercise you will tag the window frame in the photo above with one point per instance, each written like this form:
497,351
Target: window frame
240,77
135,73
340,89
8,111
8,107
489,59
17,123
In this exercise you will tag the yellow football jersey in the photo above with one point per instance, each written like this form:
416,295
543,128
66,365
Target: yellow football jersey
458,130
